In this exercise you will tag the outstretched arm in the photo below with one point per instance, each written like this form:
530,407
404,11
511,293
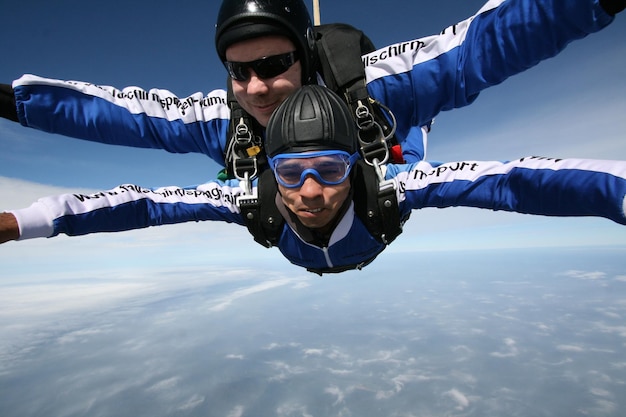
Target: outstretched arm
533,185
125,207
504,38
9,230
129,117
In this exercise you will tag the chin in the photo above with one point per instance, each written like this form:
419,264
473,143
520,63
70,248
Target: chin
312,224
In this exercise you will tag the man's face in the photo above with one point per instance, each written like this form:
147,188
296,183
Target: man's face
316,205
260,97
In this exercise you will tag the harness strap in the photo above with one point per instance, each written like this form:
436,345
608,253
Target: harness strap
243,156
376,203
260,213
340,48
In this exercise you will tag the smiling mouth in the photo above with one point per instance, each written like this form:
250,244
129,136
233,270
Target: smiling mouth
264,107
317,210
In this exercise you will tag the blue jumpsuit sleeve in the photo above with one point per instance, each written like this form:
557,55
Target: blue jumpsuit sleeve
533,185
128,207
438,72
130,117
418,79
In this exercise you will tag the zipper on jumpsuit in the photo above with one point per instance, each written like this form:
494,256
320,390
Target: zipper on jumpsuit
327,256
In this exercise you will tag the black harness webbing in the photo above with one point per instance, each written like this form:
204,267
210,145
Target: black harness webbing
262,217
244,155
340,48
377,208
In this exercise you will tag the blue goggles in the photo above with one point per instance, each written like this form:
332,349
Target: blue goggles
328,167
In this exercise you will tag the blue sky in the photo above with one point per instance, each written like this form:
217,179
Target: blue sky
570,106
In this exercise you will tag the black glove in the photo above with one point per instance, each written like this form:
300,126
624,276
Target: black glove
8,110
613,7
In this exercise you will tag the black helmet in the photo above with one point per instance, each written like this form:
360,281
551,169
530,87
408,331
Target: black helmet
311,119
240,20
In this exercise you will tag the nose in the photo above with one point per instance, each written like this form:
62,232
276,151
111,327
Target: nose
256,85
311,188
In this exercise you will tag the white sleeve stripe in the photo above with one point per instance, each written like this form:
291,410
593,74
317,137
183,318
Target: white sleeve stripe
154,103
424,174
80,203
402,57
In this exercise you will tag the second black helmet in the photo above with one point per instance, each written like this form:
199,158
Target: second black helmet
240,20
313,118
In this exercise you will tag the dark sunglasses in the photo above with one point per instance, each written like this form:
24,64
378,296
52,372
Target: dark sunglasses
266,67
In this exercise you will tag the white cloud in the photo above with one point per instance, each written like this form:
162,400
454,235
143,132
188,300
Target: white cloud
585,275
340,371
337,355
301,285
313,352
543,327
459,398
385,356
225,301
600,392
193,402
510,350
78,335
461,353
237,411
463,377
337,393
164,385
606,328
292,409
233,356
400,381
384,395
284,370
571,348
35,301
610,314
603,407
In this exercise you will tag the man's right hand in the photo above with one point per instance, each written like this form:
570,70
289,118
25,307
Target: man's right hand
8,110
9,229
613,7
